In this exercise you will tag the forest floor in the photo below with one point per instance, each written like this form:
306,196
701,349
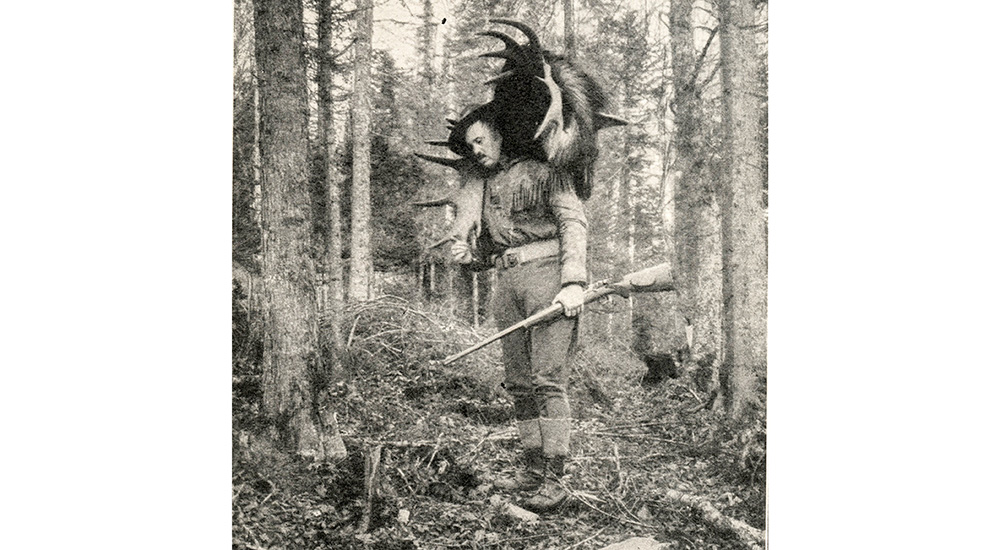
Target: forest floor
442,434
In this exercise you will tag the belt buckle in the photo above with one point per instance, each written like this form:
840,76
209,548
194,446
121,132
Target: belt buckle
509,261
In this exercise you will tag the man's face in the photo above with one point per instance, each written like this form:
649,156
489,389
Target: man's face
485,144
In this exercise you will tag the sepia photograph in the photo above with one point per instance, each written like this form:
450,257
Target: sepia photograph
439,274
499,274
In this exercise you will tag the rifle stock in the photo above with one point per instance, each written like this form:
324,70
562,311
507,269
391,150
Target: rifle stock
652,279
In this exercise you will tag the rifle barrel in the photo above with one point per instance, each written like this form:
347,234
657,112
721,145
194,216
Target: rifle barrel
652,279
545,314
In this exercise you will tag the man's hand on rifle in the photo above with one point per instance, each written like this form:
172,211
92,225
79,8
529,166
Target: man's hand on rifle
571,298
461,252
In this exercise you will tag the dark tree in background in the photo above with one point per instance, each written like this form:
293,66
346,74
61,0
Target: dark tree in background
246,222
333,295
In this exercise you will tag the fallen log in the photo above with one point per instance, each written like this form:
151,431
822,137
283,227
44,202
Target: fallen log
747,534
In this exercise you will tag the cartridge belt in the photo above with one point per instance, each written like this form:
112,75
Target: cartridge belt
526,253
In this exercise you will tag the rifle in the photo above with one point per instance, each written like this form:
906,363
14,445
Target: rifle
651,279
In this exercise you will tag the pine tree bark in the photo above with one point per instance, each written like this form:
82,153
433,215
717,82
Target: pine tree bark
569,29
697,242
744,259
332,303
427,32
360,284
333,306
246,222
288,270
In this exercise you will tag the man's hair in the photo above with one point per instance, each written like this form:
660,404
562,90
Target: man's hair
488,121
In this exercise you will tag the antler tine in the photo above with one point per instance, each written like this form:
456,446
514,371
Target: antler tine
508,41
502,54
532,37
499,77
605,120
440,201
512,50
450,163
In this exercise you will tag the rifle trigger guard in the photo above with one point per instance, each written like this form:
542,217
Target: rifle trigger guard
598,284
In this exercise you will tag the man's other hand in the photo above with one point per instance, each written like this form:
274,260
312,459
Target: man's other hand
461,253
571,298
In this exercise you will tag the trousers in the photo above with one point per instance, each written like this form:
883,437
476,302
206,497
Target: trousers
537,360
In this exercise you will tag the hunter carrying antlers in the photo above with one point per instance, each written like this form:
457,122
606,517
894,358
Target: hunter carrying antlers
526,164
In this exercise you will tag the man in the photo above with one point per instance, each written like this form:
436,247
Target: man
533,226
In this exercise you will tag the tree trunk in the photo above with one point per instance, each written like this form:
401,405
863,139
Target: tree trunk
427,32
697,246
361,250
332,302
744,259
569,29
333,305
288,270
627,215
246,233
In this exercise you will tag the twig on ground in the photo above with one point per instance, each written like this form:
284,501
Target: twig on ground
643,436
406,481
617,502
747,534
437,445
409,444
618,463
529,537
591,537
576,496
701,405
696,396
239,489
479,443
641,425
450,544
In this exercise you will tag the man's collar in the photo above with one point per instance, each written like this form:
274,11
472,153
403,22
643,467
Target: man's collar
505,162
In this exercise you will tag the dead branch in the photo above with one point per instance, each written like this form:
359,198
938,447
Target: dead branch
701,58
591,537
643,424
641,436
580,497
747,534
372,461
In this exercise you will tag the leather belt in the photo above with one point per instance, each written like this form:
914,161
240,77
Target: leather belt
526,253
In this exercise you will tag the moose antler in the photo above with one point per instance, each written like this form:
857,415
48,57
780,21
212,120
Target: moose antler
551,103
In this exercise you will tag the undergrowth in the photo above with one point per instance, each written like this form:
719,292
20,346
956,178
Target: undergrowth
442,434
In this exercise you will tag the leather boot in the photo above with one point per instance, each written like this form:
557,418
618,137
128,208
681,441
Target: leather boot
551,494
528,479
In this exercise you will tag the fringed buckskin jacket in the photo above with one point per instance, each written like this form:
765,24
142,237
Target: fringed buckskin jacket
524,201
